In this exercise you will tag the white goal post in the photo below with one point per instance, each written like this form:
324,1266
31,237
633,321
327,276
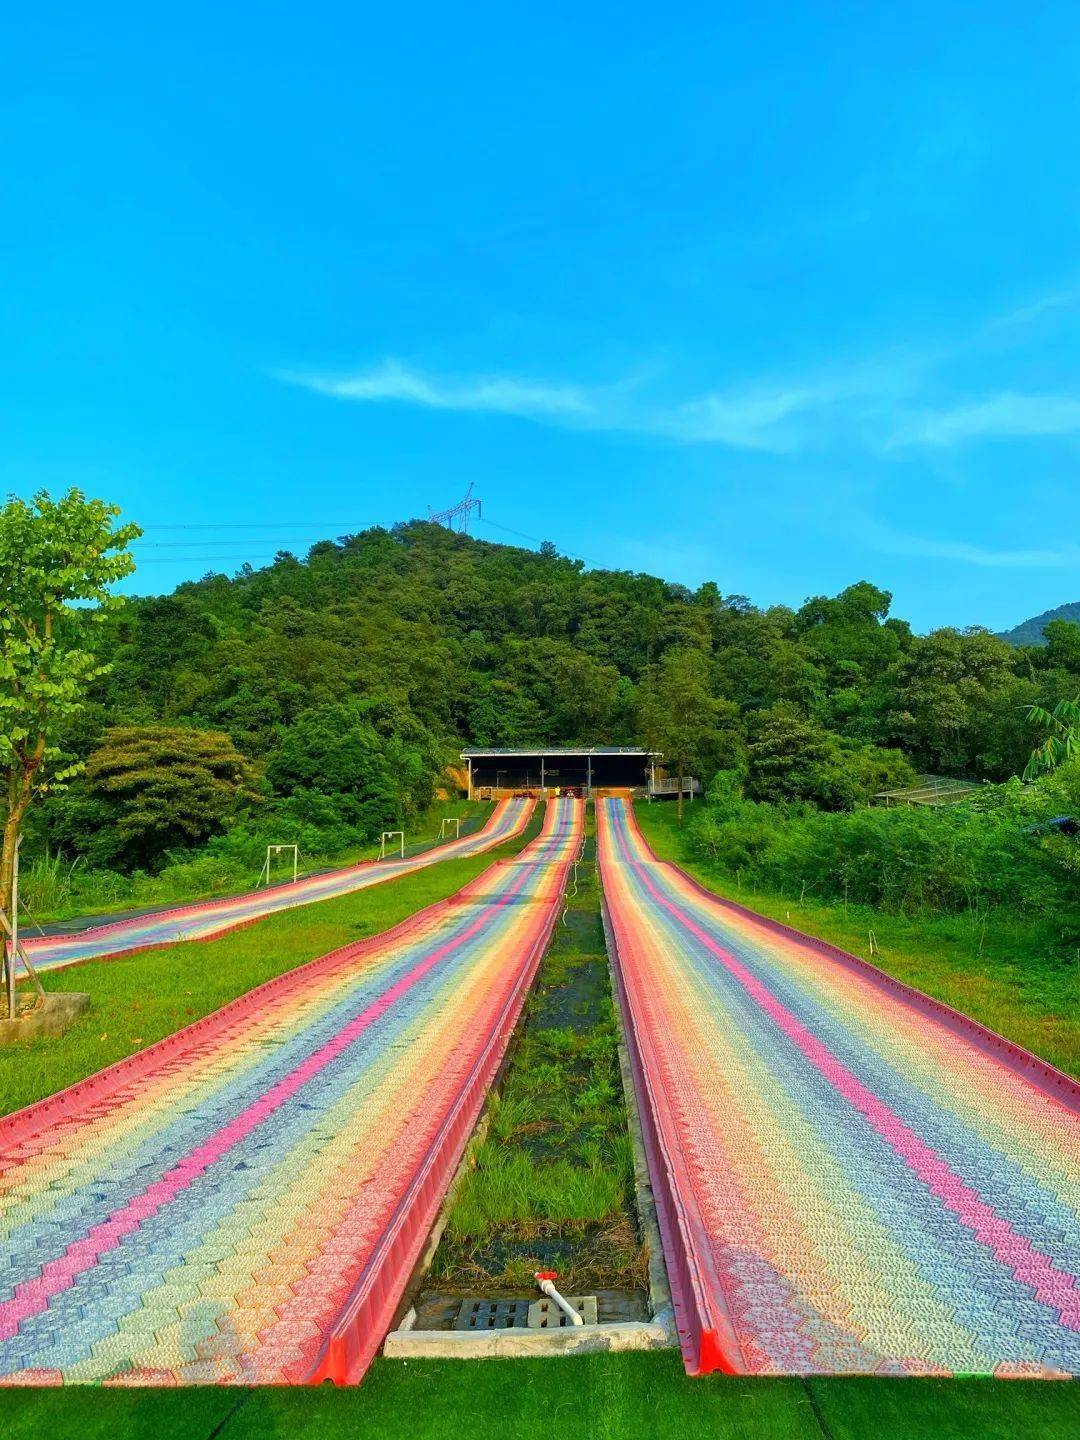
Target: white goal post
272,852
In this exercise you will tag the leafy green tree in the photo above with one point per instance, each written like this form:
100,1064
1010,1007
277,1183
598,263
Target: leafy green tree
680,715
1062,742
1062,645
152,788
375,759
58,560
788,756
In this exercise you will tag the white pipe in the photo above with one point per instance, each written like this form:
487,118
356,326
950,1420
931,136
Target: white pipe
543,1279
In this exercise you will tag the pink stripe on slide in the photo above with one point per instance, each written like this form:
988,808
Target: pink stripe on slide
1053,1287
31,1297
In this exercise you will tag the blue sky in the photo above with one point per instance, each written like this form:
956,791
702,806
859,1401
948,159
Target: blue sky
782,296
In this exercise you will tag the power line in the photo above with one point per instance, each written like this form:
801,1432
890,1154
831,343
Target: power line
348,525
182,544
536,540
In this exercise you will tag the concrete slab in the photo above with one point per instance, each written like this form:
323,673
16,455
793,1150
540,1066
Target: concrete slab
503,1344
57,1013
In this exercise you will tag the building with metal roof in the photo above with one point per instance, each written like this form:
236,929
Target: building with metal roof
553,767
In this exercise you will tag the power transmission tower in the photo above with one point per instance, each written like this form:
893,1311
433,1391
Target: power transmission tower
459,512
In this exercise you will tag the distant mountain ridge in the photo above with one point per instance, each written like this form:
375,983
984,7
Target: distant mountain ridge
1030,632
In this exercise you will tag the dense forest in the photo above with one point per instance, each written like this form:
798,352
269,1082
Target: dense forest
324,696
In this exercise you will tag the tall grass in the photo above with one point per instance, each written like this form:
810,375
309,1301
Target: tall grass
510,1187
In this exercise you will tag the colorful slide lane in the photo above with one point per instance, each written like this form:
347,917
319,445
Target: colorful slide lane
850,1176
244,1202
198,922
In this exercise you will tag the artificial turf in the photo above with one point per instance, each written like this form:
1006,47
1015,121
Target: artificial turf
603,1396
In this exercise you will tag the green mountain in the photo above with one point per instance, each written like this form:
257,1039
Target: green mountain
347,679
1030,632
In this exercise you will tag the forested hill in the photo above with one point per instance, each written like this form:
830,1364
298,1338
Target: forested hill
346,680
1030,632
507,646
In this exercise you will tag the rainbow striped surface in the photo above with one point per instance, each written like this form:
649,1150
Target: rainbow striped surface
850,1176
198,922
244,1202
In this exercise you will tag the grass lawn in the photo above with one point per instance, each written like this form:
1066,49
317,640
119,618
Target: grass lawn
138,998
55,889
604,1396
552,1182
1008,973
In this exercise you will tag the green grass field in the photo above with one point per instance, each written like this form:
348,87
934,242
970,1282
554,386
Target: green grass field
139,998
1006,974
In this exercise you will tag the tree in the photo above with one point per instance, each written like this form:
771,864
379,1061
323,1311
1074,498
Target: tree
788,756
157,787
1062,742
373,758
680,714
58,560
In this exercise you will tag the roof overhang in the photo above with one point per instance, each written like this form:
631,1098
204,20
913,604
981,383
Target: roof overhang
627,752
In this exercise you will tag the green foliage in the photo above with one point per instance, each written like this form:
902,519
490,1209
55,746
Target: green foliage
349,678
361,763
681,716
791,758
58,560
984,852
1062,742
150,789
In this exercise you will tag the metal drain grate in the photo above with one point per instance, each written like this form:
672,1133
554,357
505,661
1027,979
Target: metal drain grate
484,1315
546,1315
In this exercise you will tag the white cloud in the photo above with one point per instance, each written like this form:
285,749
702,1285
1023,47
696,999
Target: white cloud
1028,314
882,403
751,420
998,417
500,394
960,551
776,417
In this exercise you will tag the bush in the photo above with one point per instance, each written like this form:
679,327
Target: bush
992,850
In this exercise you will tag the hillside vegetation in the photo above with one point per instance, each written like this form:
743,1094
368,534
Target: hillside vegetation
319,699
1030,632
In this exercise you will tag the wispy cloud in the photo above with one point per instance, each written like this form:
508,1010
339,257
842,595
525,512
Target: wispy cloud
759,419
998,417
885,402
499,394
775,416
1054,303
961,551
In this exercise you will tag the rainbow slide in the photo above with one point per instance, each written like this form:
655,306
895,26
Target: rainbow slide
244,1202
213,917
851,1177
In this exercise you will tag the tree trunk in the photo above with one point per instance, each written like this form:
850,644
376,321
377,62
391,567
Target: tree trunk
679,800
7,878
19,790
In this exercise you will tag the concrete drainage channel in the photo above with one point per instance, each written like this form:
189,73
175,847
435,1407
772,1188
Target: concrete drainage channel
441,1327
437,1325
